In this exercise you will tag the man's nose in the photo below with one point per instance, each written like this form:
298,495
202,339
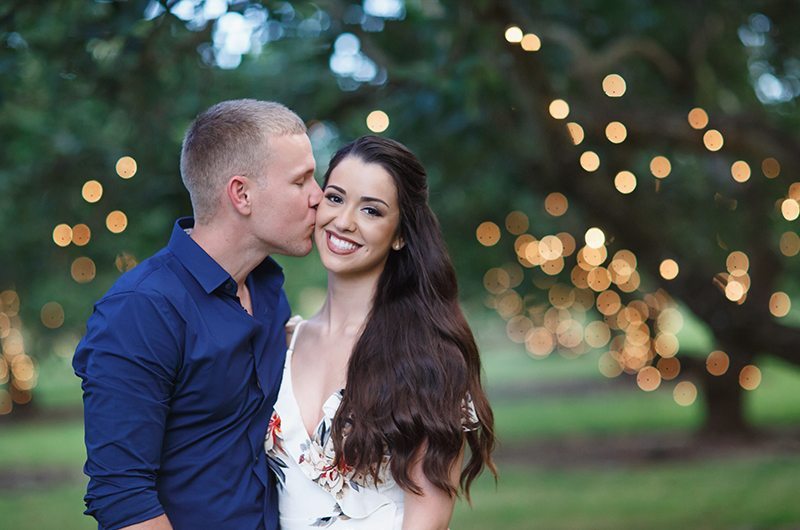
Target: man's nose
315,196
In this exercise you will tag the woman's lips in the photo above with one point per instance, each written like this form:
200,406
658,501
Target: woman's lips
340,245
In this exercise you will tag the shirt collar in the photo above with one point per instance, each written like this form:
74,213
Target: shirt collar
208,273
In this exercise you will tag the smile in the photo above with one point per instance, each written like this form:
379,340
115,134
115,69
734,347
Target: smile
340,245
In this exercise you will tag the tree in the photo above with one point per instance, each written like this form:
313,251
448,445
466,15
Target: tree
86,83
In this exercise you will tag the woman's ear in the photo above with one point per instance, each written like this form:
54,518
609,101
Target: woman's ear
398,243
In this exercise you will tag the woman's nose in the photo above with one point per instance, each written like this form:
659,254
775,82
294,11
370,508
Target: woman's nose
345,220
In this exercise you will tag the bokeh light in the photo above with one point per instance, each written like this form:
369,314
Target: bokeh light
590,161
559,109
660,166
616,132
780,304
377,121
698,118
496,280
531,42
126,168
52,315
790,209
669,269
625,182
567,243
9,301
737,263
125,261
575,132
540,342
116,222
488,233
789,244
556,204
713,140
750,377
517,223
83,270
595,238
513,34
608,302
669,368
717,363
684,393
770,167
92,191
648,378
62,235
81,234
550,248
614,85
666,345
740,171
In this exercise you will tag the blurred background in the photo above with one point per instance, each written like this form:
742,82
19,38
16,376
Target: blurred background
618,183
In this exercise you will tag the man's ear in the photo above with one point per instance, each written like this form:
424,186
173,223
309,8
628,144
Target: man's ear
238,192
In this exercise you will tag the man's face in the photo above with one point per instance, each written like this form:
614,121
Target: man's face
285,200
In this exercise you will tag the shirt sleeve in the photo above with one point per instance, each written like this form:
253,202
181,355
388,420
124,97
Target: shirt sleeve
127,361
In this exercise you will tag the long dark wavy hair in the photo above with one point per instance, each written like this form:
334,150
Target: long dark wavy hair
416,360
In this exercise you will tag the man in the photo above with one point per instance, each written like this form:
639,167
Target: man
183,357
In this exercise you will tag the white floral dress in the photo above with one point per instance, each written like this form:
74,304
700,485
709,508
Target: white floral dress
312,493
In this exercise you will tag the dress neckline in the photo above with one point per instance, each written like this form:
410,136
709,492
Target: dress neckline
329,406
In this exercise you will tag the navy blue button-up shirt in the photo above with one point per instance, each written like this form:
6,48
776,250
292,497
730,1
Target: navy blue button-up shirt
178,383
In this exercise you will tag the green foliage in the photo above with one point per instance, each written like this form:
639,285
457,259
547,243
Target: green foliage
84,83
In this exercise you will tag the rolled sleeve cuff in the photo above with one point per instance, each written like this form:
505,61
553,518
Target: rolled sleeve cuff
123,509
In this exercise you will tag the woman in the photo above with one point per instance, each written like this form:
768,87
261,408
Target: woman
381,388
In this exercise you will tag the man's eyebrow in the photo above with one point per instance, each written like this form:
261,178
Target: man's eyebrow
364,198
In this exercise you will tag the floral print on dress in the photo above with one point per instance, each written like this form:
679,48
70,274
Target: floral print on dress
273,445
469,416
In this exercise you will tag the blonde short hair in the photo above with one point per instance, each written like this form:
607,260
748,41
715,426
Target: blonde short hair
230,138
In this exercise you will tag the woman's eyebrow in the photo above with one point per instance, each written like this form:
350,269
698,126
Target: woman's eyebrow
364,198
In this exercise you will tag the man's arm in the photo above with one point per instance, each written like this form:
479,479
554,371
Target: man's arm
159,523
127,362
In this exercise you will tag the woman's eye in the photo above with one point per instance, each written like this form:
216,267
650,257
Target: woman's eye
372,211
333,198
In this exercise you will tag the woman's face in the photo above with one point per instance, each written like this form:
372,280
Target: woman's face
358,218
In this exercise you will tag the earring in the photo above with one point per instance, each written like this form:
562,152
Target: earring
396,245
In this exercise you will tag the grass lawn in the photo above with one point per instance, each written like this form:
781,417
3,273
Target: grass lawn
731,494
743,492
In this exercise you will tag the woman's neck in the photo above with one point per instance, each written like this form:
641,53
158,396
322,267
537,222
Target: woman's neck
347,304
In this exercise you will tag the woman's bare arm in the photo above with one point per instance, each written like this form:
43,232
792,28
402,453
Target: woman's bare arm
433,508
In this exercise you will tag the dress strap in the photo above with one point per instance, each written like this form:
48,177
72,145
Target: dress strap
295,333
